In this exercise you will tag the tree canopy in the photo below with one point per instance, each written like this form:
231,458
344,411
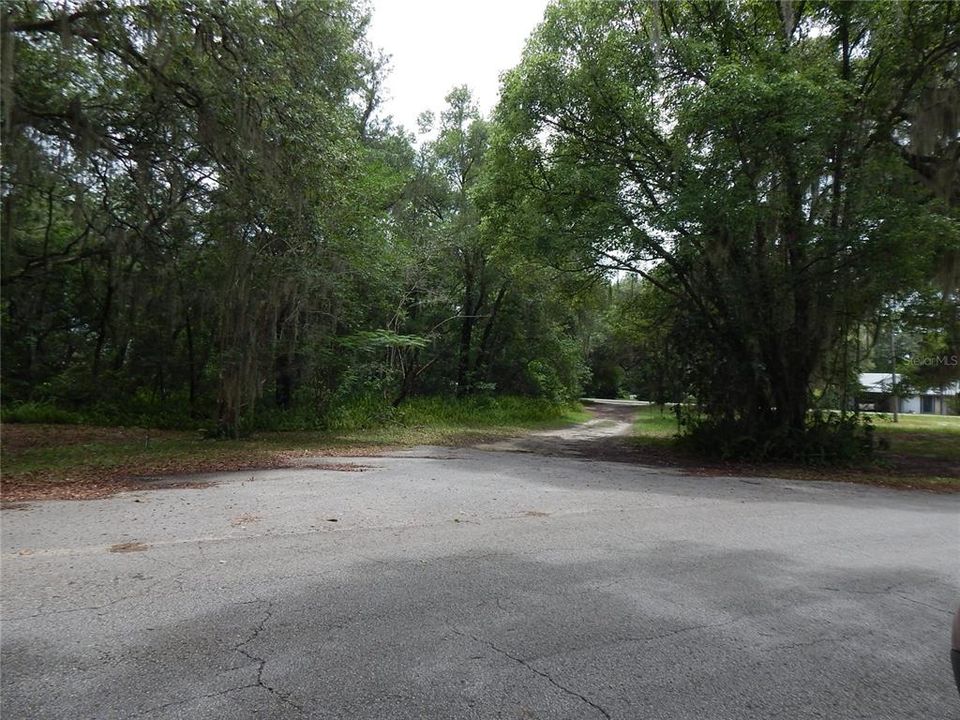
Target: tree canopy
774,170
208,218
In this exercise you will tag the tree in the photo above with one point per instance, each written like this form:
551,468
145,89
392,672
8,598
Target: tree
756,162
182,192
933,321
454,161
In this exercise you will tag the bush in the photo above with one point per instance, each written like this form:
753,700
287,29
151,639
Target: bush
141,410
828,438
33,412
546,381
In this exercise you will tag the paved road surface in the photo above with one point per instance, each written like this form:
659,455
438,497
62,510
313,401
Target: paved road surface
520,582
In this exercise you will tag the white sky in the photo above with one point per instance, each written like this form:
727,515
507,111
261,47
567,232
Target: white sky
436,45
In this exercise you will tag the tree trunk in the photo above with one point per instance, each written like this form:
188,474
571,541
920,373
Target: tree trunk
283,362
102,328
483,354
283,369
466,338
191,362
228,404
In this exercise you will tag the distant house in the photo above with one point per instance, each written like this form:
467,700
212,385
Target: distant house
876,395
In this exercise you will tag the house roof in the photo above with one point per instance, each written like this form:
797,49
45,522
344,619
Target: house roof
881,382
875,382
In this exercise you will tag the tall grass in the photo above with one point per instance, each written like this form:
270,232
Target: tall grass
484,411
655,425
139,411
34,412
364,412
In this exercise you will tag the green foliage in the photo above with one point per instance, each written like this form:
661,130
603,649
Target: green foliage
504,410
181,194
630,346
930,337
559,378
207,223
33,412
378,340
921,436
827,438
361,412
372,411
141,410
656,424
757,164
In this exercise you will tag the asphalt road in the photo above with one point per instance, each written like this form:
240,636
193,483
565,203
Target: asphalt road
512,582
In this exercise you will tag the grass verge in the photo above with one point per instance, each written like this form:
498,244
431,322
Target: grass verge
82,461
923,453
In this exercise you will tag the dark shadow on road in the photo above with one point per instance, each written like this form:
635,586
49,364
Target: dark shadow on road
678,630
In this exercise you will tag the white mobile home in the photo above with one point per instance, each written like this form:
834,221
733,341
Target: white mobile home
876,395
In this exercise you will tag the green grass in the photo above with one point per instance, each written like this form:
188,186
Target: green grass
922,447
928,436
363,412
921,451
49,453
655,425
438,412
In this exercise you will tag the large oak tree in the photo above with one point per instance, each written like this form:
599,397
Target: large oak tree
773,168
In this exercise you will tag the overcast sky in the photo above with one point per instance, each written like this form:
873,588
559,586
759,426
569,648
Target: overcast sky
437,44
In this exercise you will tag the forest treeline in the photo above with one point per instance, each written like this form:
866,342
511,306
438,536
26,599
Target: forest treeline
208,217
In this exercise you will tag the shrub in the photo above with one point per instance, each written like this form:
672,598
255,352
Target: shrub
33,412
828,438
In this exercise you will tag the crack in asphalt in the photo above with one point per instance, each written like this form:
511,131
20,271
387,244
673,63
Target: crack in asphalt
535,671
261,663
141,593
854,591
922,604
258,662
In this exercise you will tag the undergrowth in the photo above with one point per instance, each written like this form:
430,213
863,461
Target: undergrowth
349,415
